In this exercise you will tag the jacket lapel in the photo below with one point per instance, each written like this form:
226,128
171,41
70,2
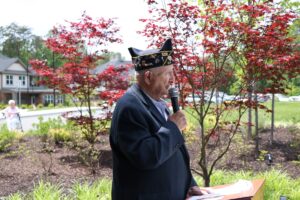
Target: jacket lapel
135,90
156,113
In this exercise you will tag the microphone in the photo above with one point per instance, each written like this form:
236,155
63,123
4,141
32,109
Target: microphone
173,93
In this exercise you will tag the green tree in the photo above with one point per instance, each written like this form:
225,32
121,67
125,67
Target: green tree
16,41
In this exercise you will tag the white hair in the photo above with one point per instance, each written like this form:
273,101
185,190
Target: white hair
11,102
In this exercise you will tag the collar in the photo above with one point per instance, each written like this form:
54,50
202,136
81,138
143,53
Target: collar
146,100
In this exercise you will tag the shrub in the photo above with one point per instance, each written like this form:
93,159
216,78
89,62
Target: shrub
23,106
42,128
53,128
68,101
59,105
2,106
6,138
60,135
50,105
40,106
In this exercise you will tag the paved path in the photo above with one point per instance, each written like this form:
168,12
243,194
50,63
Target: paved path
30,117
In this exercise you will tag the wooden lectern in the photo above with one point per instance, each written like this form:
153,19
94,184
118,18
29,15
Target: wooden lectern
255,193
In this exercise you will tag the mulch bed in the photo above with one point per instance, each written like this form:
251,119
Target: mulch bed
25,163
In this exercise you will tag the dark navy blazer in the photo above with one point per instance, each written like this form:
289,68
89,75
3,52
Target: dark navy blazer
150,160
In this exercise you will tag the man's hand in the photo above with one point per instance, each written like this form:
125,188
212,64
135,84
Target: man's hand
179,119
195,191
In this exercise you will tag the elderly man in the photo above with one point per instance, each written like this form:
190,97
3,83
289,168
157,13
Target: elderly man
150,160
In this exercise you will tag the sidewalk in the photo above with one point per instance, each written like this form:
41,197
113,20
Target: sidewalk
26,113
30,117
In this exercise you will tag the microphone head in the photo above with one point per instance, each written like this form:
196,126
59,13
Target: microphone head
173,92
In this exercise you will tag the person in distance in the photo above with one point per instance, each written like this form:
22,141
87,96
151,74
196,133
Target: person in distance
12,116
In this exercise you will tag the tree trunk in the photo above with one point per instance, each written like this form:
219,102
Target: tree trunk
206,178
217,102
54,95
256,128
249,135
250,87
272,119
203,156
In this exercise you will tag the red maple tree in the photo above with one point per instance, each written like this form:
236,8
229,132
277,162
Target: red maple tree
268,57
215,43
80,45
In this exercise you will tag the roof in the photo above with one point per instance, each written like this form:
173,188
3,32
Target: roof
114,62
5,62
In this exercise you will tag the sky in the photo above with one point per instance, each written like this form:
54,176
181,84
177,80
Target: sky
42,15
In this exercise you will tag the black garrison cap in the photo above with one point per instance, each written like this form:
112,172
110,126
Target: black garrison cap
146,59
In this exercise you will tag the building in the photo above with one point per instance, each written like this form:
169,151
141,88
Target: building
116,61
18,82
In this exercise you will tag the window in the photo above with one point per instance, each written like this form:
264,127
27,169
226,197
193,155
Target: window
60,99
9,80
48,98
22,80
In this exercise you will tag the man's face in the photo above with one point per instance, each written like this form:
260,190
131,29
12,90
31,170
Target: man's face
163,78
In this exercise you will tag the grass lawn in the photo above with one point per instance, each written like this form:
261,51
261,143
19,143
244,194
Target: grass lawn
286,114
